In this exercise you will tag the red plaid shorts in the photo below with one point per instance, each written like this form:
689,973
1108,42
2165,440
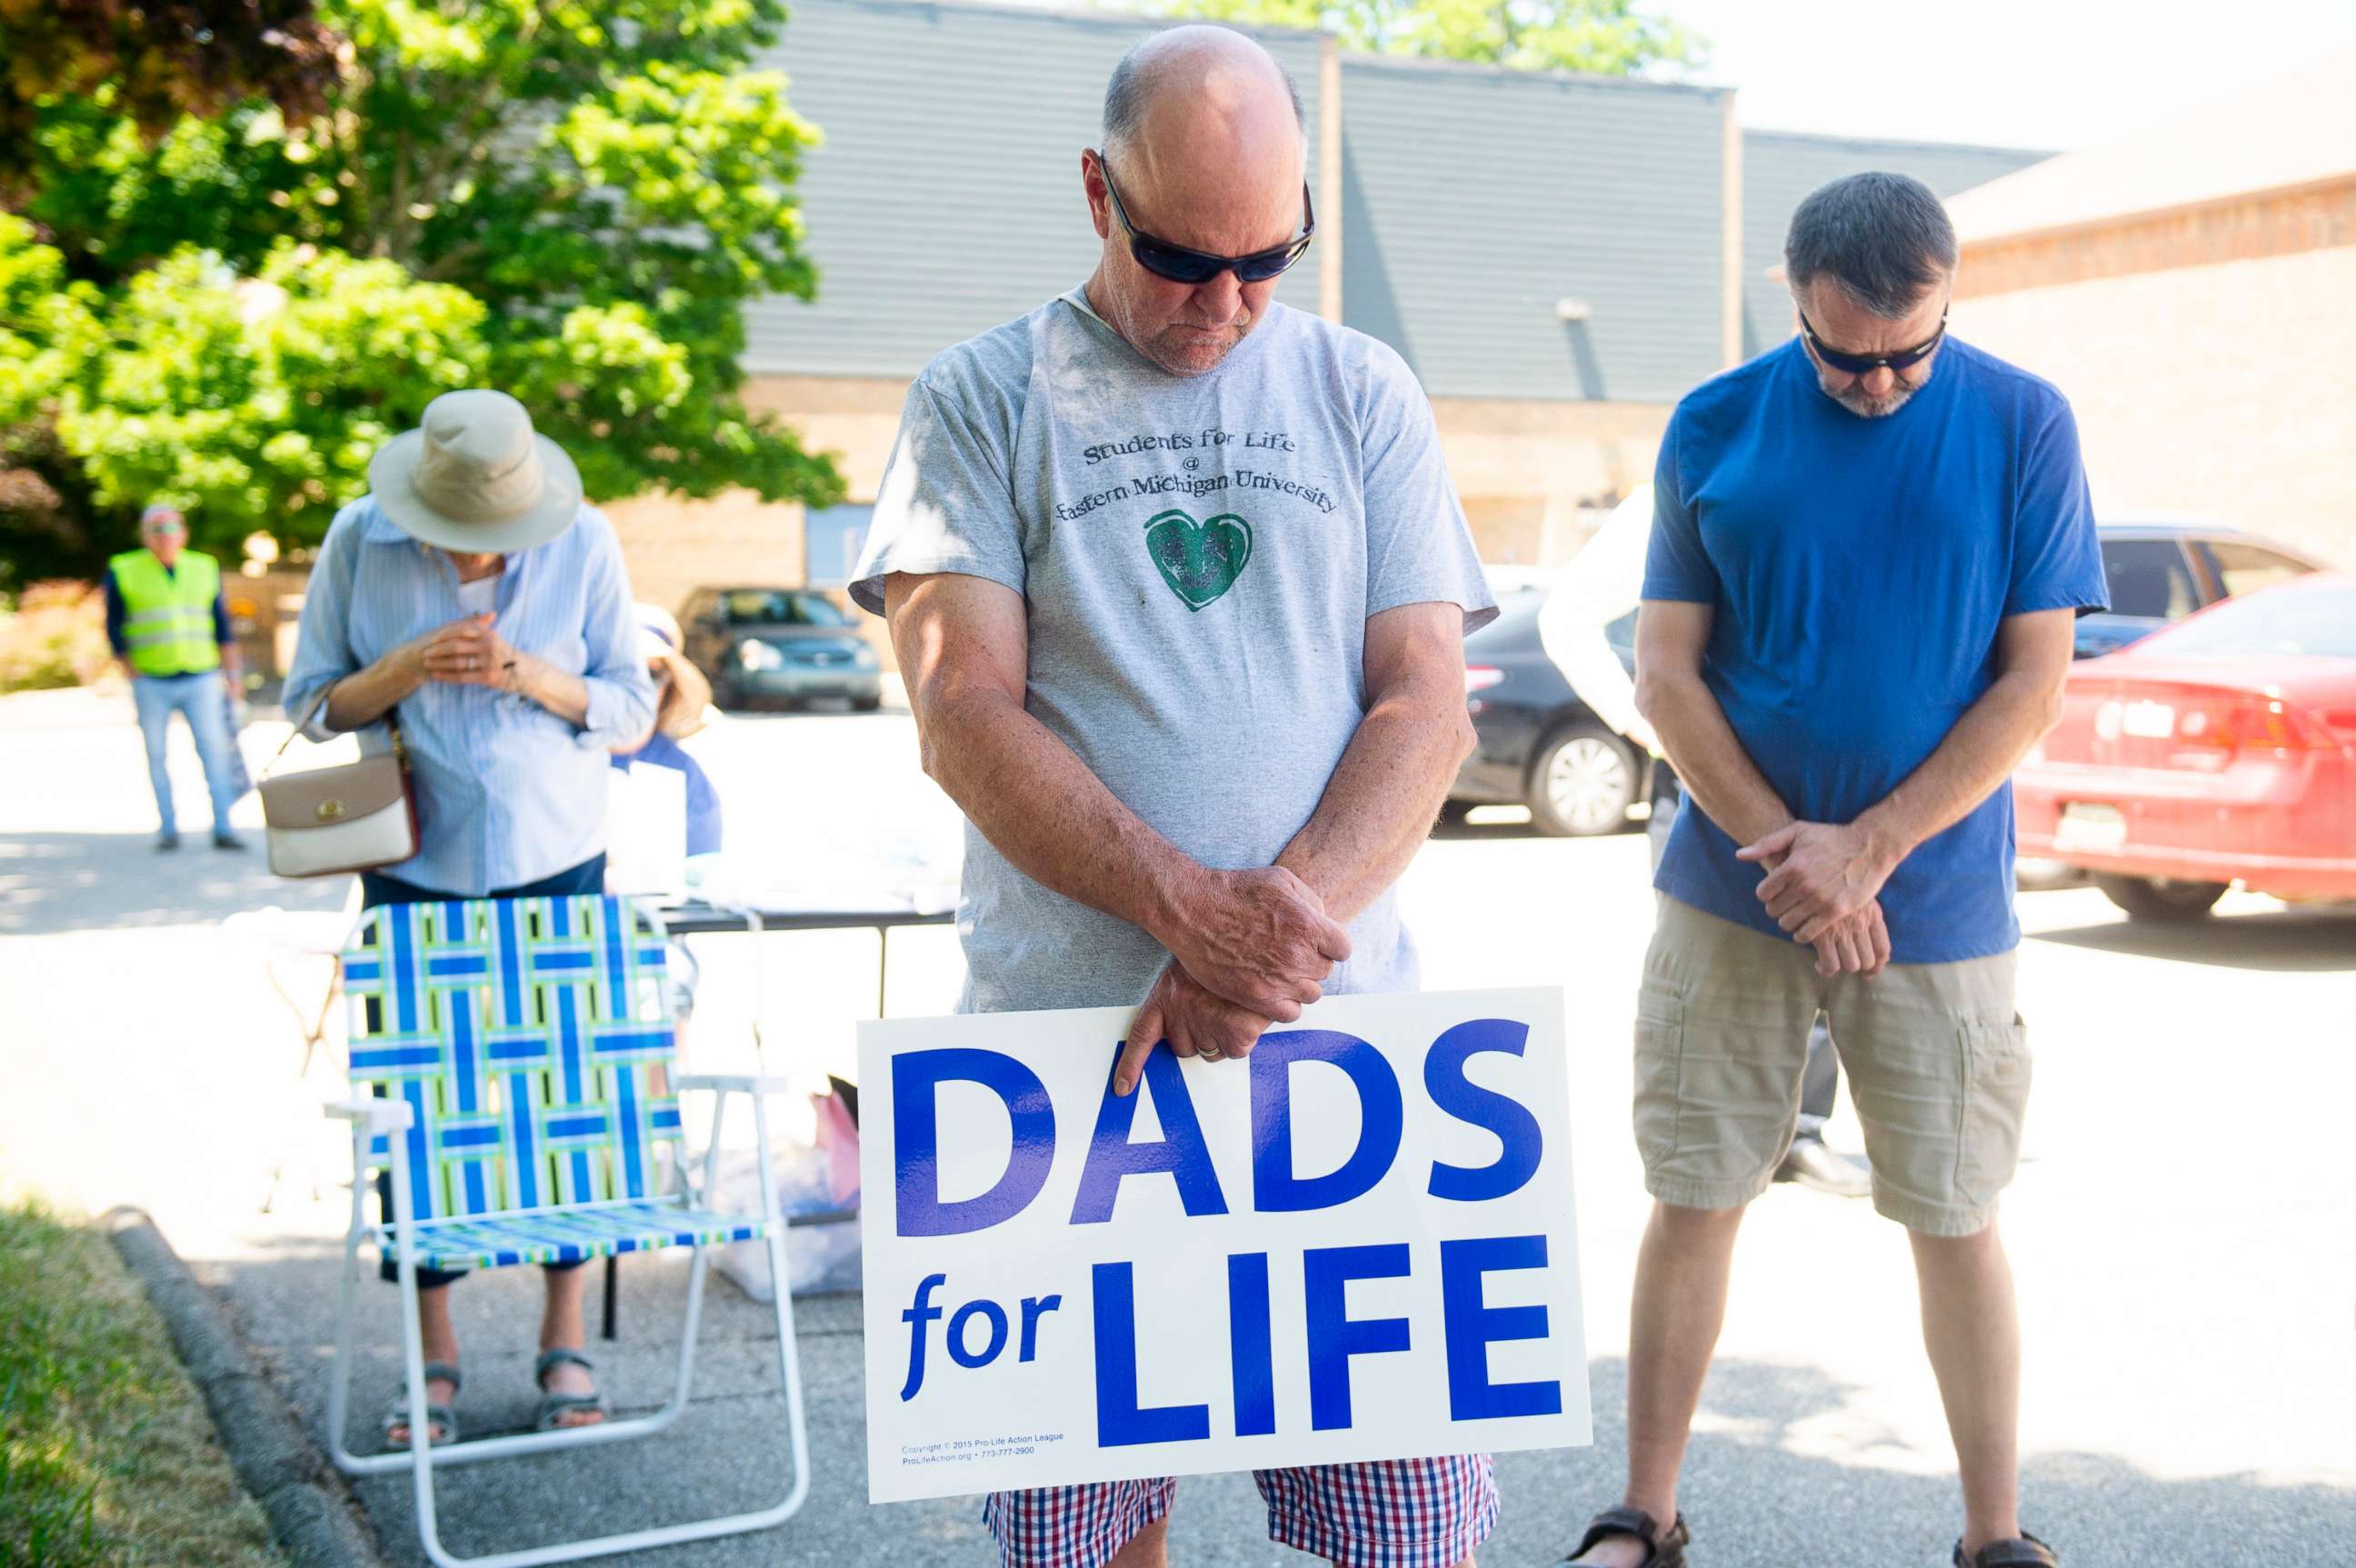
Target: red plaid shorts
1397,1513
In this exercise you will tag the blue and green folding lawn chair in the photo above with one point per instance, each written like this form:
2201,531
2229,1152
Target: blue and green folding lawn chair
528,1114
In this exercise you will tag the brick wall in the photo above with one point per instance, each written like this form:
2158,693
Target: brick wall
2316,217
2226,389
1527,470
675,547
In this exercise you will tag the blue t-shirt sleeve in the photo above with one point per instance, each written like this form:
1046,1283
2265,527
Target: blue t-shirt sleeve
1676,564
2057,560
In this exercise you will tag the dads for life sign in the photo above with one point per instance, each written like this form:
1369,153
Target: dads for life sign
1356,1244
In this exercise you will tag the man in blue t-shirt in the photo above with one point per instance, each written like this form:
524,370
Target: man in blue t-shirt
1869,548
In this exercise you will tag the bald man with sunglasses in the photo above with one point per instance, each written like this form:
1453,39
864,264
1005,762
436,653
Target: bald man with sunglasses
1180,587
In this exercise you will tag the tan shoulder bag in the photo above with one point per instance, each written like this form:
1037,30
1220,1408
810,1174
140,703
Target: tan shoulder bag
358,816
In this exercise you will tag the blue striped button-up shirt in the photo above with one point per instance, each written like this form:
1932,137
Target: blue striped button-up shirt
507,793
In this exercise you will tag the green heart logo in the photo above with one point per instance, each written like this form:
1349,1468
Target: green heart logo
1200,561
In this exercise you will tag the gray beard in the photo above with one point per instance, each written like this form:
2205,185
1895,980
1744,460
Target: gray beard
1858,403
1866,407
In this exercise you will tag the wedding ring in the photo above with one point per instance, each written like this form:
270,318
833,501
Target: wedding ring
1210,1053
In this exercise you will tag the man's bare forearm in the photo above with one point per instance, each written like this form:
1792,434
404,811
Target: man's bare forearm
1977,756
1821,873
1378,806
1709,756
1257,935
1041,808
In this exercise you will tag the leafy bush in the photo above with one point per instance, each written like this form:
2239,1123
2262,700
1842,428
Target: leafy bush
56,637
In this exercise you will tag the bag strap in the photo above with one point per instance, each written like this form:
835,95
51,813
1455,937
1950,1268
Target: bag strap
311,711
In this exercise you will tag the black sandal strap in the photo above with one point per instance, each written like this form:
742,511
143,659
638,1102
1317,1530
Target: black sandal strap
2023,1551
1635,1524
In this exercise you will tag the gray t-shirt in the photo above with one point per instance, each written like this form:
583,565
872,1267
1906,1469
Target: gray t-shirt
1199,556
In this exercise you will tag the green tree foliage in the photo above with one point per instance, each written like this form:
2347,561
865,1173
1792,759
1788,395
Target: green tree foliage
48,326
159,61
1609,38
48,330
572,202
256,400
262,397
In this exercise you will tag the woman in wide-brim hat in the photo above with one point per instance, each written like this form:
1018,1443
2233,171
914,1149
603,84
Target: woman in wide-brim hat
473,599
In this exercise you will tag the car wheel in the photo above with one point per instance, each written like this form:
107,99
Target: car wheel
2159,897
726,696
1583,783
866,704
1454,812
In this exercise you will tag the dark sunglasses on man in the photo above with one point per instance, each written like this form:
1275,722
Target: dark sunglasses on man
1180,264
1866,364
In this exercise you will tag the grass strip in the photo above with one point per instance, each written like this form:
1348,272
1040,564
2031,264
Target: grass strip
107,1457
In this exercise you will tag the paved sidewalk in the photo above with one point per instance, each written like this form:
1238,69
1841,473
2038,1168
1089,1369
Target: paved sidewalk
2181,1226
1761,1485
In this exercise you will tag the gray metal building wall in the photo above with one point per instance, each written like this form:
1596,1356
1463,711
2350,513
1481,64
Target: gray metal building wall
1478,197
947,198
1779,169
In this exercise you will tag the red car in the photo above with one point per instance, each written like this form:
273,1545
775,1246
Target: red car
2218,750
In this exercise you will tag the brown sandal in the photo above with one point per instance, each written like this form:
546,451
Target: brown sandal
1662,1549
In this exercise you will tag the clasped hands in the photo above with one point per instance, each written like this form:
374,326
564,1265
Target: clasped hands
1248,948
467,652
1823,886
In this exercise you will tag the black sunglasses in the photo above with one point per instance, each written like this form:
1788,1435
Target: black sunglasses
1866,364
1180,264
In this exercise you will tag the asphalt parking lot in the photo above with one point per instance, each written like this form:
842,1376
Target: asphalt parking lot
2181,1227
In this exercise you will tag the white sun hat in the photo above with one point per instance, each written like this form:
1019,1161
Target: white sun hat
475,478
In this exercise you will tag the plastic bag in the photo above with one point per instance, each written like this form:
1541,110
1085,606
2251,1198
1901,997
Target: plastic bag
812,1178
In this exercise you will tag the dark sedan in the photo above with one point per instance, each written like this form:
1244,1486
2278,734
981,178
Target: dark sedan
1538,746
780,645
2161,570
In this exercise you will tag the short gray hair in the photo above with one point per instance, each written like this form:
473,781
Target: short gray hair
1884,238
1132,88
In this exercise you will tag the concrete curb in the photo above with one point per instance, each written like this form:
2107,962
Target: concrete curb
272,1454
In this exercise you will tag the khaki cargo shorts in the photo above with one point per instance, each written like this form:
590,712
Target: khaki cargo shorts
1936,1058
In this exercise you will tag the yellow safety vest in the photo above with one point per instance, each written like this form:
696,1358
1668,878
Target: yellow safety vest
167,616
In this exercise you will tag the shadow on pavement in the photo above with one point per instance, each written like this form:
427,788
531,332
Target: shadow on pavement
1783,1472
2287,941
81,882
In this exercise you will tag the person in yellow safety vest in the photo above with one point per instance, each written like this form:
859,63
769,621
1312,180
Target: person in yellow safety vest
169,628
